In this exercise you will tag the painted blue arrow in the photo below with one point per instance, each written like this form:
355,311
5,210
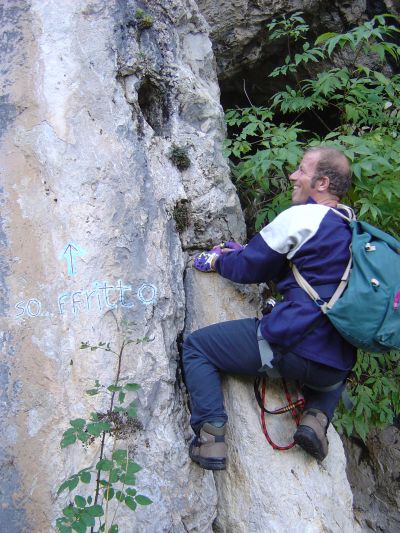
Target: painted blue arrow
70,253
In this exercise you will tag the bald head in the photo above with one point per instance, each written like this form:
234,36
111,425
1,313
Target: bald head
334,164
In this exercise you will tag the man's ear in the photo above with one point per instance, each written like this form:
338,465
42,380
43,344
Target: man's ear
323,183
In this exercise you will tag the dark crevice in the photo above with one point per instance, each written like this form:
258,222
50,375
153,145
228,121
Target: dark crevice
154,106
180,381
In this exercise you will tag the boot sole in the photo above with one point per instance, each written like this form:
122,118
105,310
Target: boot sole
306,438
209,463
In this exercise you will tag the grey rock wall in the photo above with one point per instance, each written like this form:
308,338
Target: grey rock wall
373,469
97,226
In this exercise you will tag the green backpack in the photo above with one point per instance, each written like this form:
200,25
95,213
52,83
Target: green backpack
365,307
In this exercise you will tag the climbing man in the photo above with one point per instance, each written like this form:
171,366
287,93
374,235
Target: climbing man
290,340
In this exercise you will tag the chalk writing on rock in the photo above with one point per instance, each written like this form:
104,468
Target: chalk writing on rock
31,308
101,295
104,295
70,252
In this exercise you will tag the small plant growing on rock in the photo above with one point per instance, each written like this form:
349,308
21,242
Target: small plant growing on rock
181,215
113,477
179,156
144,20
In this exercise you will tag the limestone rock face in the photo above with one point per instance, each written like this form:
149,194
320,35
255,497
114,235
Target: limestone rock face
92,108
238,29
97,223
373,470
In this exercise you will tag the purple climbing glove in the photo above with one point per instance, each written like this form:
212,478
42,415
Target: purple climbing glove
204,260
232,245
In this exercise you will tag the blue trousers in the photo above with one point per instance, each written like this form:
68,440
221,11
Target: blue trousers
232,347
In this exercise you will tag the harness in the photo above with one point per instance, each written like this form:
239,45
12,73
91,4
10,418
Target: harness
293,407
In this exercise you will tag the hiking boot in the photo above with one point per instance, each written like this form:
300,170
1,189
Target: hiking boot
311,433
208,449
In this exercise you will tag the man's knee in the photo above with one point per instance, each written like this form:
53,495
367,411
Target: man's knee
190,341
192,346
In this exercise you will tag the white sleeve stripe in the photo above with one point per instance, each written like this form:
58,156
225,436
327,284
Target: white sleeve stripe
290,230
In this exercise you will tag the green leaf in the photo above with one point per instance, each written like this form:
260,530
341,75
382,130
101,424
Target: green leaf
85,477
128,479
92,392
131,492
324,37
109,493
131,386
133,468
78,423
82,436
63,486
381,78
67,440
361,428
130,502
69,511
73,483
114,388
64,529
120,496
120,456
113,529
95,510
121,396
132,409
114,475
142,500
131,412
96,428
79,526
80,501
104,464
88,520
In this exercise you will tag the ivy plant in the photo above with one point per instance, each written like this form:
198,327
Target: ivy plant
343,82
113,477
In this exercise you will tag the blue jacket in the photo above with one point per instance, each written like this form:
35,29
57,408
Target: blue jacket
317,241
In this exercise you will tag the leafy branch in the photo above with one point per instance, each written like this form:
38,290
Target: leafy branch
113,476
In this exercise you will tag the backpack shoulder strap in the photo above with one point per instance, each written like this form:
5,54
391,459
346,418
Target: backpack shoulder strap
350,213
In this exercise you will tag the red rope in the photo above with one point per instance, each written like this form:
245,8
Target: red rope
291,406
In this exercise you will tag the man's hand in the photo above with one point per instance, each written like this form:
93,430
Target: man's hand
205,262
231,246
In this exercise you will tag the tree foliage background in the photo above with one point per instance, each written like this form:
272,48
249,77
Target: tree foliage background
343,85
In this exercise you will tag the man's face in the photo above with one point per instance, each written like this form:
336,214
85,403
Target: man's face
301,179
